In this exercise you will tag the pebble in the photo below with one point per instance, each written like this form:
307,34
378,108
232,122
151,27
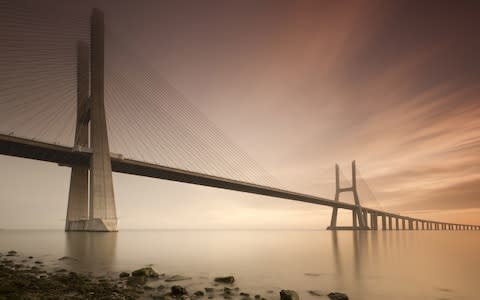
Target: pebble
226,279
337,296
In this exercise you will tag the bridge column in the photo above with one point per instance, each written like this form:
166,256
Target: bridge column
416,224
373,225
396,224
365,218
384,222
77,208
354,218
403,224
102,214
390,227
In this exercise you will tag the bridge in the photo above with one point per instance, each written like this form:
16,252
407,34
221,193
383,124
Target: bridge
91,202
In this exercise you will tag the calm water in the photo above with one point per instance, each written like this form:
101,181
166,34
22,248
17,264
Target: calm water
365,265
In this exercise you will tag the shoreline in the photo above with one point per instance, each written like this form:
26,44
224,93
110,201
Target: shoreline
27,277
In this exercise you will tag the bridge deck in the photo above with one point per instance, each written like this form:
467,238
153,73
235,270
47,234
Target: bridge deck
37,150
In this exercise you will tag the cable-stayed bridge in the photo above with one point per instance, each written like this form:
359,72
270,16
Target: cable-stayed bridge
91,203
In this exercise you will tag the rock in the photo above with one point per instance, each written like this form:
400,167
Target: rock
38,262
145,272
147,287
30,257
257,297
11,253
316,293
160,287
270,291
178,290
209,290
338,296
124,275
288,295
199,294
244,294
177,278
227,279
162,297
61,270
227,291
65,258
136,280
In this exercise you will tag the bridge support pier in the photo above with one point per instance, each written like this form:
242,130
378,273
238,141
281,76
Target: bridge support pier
101,215
359,215
384,222
373,221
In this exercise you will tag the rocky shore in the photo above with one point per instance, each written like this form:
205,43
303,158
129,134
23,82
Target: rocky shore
28,278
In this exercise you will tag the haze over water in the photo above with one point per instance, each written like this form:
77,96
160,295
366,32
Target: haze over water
365,265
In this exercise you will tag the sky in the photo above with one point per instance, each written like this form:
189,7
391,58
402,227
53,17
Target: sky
292,87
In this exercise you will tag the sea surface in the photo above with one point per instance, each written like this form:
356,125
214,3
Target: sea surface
365,265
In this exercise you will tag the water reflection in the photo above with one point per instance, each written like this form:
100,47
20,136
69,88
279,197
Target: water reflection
92,251
358,248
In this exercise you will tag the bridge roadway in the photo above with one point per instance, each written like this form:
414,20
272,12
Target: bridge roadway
68,156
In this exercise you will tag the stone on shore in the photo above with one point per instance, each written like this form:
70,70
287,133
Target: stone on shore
66,258
136,280
124,275
178,290
317,293
177,278
288,295
226,279
199,294
145,272
11,253
338,296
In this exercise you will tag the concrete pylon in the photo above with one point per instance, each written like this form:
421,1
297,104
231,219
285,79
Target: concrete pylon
359,215
101,214
77,210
